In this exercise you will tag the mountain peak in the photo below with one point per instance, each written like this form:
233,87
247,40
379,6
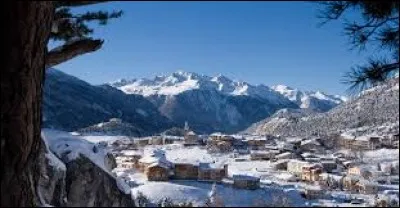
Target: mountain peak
181,81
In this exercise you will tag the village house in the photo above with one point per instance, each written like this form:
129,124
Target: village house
313,192
142,142
311,173
293,143
349,182
125,162
366,187
367,142
256,142
280,164
212,172
329,165
296,166
185,171
191,138
261,155
332,181
360,143
246,182
156,140
360,171
311,145
168,140
155,157
217,137
157,172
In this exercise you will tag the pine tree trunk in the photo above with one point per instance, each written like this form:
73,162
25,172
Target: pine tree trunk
27,31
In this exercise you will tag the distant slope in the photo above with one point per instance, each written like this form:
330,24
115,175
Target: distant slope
71,104
317,101
374,108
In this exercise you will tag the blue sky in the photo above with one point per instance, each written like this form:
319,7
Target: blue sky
258,42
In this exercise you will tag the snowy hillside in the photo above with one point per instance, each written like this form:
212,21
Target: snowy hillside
217,103
376,108
318,101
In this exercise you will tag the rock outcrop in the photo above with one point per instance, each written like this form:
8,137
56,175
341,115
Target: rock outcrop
78,182
51,187
88,185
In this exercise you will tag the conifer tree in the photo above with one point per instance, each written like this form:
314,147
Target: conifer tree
378,28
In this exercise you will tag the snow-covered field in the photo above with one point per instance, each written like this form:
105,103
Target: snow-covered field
197,193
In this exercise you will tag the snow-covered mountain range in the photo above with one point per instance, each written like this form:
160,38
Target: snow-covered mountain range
179,82
219,103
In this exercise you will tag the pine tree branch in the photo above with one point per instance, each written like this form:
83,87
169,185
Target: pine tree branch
69,51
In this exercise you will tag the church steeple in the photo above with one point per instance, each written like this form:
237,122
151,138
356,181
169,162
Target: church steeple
186,126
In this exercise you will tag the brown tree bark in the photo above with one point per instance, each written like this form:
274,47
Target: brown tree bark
27,31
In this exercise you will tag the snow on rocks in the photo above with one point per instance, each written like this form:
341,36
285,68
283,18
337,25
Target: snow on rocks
69,147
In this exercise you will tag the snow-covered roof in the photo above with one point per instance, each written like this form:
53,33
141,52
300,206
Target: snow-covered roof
245,177
260,152
217,134
284,154
160,164
191,133
262,138
309,154
285,176
156,156
309,141
131,152
209,166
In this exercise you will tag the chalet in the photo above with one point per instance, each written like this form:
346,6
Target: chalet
156,140
246,182
329,165
221,137
311,173
366,187
185,171
168,140
261,155
349,182
156,156
359,143
311,145
280,164
313,192
360,171
296,166
157,172
125,162
142,142
330,180
212,172
256,142
191,138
